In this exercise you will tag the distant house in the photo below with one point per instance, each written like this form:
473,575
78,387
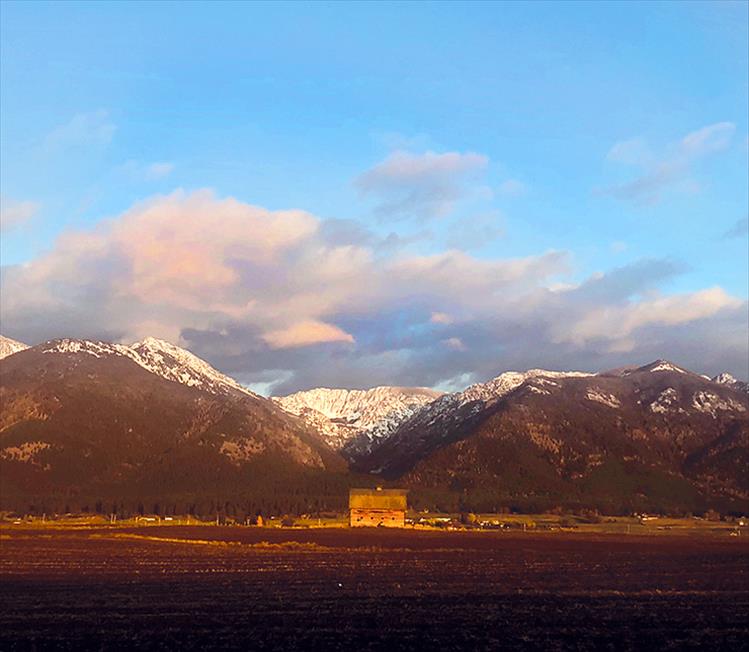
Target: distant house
377,507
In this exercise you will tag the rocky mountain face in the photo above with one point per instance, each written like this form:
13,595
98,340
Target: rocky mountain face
653,437
9,347
356,421
87,421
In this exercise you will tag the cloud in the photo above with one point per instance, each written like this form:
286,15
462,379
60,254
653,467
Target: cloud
15,213
630,152
671,170
287,300
421,185
441,318
137,171
337,231
476,232
306,333
617,323
159,170
83,129
454,343
739,230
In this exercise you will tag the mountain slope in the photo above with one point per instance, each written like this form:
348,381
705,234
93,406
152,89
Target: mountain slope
355,421
9,346
729,381
177,364
656,437
87,421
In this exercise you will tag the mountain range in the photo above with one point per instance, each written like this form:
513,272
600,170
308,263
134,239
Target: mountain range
88,424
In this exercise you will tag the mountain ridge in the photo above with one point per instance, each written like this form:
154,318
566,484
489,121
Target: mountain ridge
10,346
673,437
152,417
83,422
355,421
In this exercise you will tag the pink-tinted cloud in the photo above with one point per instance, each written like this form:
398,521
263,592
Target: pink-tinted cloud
441,318
272,294
306,333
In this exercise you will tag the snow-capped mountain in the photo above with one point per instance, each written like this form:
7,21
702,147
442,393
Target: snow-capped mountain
89,421
159,357
729,381
140,415
543,438
656,366
177,364
356,420
9,346
451,409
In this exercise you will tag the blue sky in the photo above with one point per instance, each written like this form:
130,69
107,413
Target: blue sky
614,134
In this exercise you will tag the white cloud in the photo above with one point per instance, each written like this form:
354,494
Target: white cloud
630,152
617,323
421,185
712,138
83,129
671,170
15,213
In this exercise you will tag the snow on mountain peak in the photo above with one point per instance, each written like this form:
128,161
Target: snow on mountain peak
662,365
93,348
729,381
356,418
159,357
9,346
451,409
179,365
509,380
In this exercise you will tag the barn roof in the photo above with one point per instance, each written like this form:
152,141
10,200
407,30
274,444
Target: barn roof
377,499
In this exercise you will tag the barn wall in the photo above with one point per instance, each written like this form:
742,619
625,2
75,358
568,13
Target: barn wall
377,518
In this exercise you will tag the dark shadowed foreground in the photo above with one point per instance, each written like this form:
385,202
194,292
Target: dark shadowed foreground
384,590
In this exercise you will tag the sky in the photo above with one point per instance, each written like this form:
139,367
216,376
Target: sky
363,194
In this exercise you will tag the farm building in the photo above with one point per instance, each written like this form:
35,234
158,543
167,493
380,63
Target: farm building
377,507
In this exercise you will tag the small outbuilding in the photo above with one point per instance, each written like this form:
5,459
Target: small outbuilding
377,507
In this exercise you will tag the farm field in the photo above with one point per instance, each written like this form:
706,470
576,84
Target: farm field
197,587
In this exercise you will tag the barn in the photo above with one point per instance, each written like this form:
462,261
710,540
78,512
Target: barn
377,507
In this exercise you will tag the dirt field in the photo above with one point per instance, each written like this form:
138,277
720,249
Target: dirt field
336,589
